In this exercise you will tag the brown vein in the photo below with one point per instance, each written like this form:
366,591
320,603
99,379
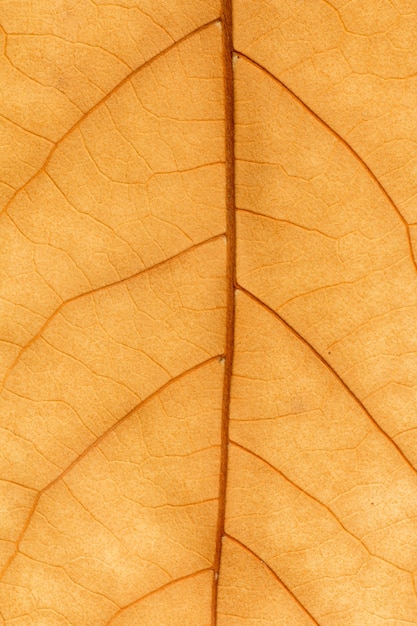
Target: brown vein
319,502
346,145
100,102
329,367
274,574
288,222
162,588
98,289
93,445
227,24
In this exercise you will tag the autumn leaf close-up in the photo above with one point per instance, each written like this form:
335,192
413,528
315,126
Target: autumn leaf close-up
208,313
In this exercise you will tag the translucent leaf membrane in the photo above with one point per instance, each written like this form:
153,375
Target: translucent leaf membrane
208,313
354,64
114,253
59,59
122,520
320,244
140,179
334,500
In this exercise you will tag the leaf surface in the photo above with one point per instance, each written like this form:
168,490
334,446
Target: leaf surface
208,297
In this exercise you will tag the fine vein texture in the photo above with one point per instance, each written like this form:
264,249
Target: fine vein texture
60,58
208,313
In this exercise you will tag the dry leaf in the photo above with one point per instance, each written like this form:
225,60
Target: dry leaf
208,291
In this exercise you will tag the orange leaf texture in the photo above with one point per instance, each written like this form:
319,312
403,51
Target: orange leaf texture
208,313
